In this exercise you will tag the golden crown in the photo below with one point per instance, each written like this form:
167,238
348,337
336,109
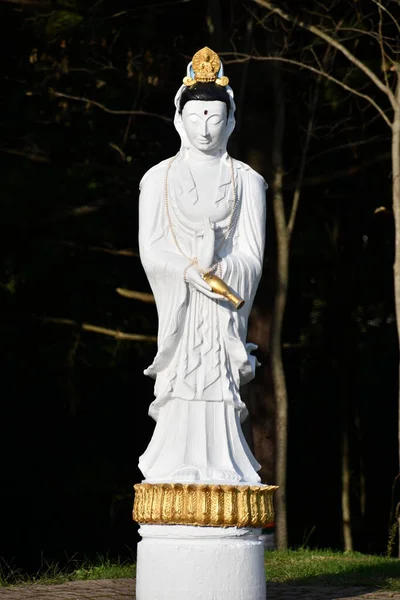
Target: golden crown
206,65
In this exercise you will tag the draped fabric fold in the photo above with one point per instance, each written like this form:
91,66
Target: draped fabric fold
202,357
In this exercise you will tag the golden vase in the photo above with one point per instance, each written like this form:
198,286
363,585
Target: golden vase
220,287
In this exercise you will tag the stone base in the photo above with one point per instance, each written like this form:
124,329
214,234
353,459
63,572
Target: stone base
177,562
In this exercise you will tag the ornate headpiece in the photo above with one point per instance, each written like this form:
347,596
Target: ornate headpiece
206,67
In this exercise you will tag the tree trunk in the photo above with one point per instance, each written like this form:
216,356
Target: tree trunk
396,212
278,374
281,419
362,477
346,509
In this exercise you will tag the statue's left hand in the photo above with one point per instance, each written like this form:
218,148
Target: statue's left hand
206,247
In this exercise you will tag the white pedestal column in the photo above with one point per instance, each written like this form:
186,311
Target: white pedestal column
180,562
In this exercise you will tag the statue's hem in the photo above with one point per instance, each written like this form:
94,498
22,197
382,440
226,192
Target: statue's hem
204,505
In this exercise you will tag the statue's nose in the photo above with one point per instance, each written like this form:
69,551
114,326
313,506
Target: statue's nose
204,129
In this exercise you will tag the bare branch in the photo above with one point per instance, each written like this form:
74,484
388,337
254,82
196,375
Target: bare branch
306,145
335,44
358,32
66,213
395,21
147,7
29,3
41,158
118,335
133,295
245,57
327,130
383,53
128,252
110,110
376,138
26,154
316,58
347,172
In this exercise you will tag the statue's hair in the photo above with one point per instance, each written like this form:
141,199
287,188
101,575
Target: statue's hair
207,92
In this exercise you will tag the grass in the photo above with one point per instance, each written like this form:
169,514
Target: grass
52,573
294,567
326,567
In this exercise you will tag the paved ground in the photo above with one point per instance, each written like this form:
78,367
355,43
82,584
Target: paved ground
123,589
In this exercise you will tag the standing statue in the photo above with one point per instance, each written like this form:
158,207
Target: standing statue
201,238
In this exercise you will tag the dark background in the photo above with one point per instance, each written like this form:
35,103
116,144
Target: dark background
74,402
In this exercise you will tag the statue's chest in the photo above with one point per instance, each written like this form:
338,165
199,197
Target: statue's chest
204,206
205,197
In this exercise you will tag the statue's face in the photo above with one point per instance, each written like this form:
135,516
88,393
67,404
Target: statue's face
205,124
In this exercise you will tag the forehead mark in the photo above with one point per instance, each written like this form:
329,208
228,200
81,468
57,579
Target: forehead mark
208,113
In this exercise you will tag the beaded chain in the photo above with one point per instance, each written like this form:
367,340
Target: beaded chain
231,224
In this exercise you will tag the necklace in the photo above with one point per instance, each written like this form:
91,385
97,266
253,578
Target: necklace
229,230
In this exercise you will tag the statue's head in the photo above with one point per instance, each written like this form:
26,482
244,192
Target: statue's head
204,104
204,109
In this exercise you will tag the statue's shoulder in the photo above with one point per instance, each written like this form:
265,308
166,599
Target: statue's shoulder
247,171
156,173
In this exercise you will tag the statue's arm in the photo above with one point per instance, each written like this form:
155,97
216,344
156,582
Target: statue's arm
155,248
250,240
255,211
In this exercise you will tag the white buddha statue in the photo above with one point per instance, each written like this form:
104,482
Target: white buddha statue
201,217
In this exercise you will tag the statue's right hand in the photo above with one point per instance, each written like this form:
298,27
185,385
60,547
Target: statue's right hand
206,250
194,278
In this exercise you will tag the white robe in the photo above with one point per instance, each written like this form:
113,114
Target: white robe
202,357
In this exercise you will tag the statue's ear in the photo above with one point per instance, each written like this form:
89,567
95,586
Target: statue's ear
178,117
231,122
181,130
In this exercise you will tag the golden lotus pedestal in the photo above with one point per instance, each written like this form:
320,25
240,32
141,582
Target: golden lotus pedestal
205,505
201,540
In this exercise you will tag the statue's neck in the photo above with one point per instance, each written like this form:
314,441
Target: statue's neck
195,156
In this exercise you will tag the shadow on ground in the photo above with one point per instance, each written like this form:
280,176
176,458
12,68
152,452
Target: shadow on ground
363,581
